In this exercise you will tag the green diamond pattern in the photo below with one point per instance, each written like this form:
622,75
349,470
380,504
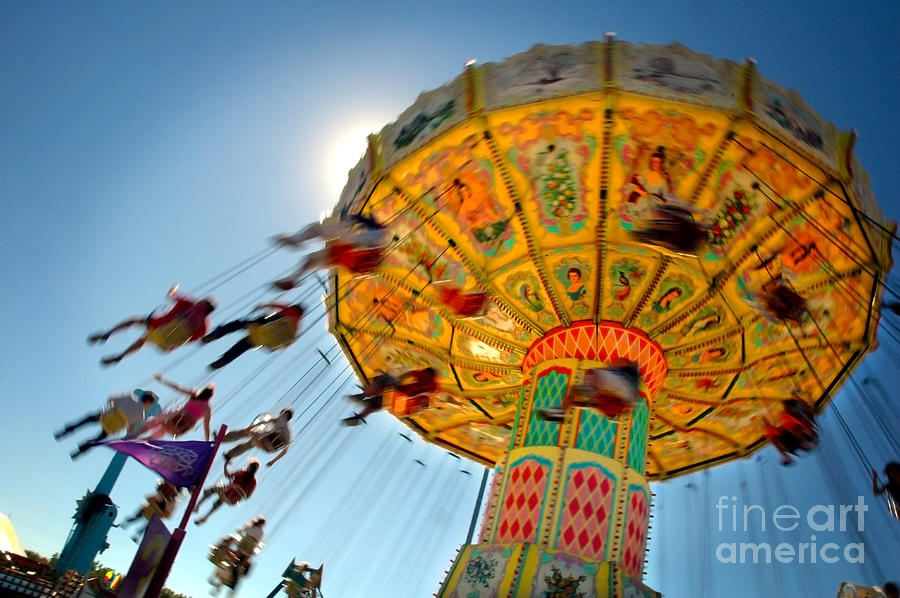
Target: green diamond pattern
637,441
519,412
596,433
551,388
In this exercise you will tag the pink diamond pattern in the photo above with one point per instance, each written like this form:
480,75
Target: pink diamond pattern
584,529
585,340
636,518
525,493
486,527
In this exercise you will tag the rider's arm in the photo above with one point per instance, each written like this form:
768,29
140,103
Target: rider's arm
174,386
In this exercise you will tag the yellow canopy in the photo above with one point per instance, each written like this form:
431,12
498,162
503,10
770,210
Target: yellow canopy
525,178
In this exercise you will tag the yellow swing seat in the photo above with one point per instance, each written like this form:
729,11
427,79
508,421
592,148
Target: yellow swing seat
113,421
273,335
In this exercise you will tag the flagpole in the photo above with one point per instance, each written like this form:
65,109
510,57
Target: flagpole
168,557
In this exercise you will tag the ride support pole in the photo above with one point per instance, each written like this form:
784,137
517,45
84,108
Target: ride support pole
478,500
276,589
168,557
88,536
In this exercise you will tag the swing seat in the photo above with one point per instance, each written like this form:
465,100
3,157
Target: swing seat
661,241
180,423
849,590
267,436
403,405
232,580
296,590
471,306
233,494
249,546
273,441
784,304
113,421
273,335
299,585
612,406
552,414
228,563
152,509
356,260
610,390
672,229
170,336
220,556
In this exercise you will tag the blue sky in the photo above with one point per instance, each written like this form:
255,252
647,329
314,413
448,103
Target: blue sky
144,145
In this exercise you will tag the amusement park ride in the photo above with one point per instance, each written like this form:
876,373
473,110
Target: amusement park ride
614,203
554,182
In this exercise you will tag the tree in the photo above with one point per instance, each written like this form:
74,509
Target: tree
98,570
39,558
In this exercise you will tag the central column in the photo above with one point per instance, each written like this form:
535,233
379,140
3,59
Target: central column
569,505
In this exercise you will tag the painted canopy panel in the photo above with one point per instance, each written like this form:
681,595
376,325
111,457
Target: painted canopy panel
542,73
677,73
524,179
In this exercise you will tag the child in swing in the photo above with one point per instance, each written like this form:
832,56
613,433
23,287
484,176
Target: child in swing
268,434
239,486
796,430
612,391
161,503
122,412
182,420
337,253
464,305
355,243
415,385
274,331
891,487
360,230
186,321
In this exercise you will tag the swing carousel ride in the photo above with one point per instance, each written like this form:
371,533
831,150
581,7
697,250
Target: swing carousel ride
616,222
543,181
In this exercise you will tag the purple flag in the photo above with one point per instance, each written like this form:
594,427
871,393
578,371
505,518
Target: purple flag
182,462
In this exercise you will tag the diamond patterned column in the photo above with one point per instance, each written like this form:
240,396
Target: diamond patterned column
569,506
524,495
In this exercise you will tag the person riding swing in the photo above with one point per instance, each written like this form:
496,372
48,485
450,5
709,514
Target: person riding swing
186,321
414,387
267,433
274,331
239,486
612,391
182,420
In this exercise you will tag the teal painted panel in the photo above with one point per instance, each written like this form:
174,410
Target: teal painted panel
549,392
596,433
637,441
